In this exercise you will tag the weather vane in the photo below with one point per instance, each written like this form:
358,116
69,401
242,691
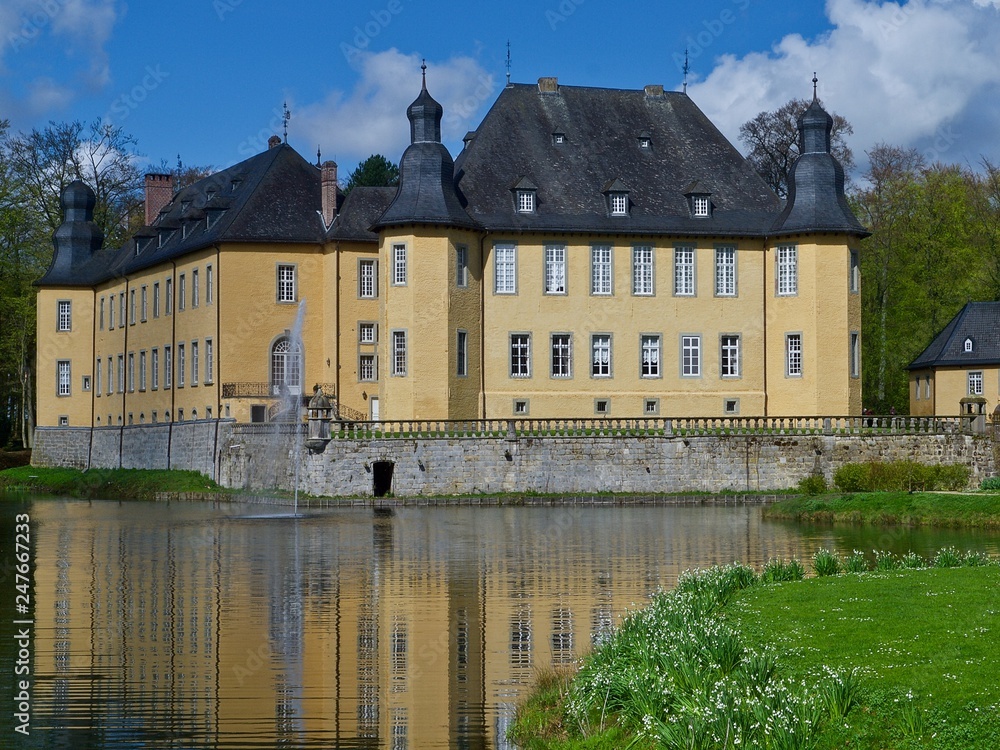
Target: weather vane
508,62
285,117
815,81
687,69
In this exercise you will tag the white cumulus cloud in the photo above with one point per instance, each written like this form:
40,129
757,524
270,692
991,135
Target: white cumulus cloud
371,117
922,74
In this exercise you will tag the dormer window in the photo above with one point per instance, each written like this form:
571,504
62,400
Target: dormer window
185,205
164,237
209,194
558,138
212,217
234,184
525,196
968,345
700,206
645,140
616,193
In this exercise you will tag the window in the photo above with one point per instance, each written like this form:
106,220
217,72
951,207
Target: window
194,363
729,356
650,361
142,371
63,377
144,304
600,349
505,261
520,355
967,346
366,333
600,269
399,353
855,354
788,274
691,356
561,356
651,407
725,271
181,292
111,313
111,379
642,270
209,360
181,365
131,372
854,281
399,265
168,303
286,283
131,307
156,299
121,309
793,355
558,138
700,206
64,315
366,367
619,204
927,387
462,354
286,367
602,407
520,407
684,271
367,283
168,367
195,288
209,282
98,369
555,269
731,406
975,383
525,201
461,266
154,369
645,141
102,314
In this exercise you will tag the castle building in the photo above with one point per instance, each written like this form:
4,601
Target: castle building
590,253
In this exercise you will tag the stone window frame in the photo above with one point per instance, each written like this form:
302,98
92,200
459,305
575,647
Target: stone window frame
64,316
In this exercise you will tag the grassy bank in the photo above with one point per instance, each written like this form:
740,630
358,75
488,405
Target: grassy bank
111,484
886,659
885,508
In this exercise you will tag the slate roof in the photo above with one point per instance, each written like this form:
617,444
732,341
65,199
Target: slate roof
979,321
360,209
271,197
601,129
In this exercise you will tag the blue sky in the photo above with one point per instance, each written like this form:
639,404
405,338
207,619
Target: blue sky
206,79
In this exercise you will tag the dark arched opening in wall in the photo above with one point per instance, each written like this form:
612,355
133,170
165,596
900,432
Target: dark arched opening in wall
382,477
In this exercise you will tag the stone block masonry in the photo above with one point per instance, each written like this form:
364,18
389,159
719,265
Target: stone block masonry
258,458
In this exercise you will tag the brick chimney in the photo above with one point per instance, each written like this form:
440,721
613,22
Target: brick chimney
159,191
328,182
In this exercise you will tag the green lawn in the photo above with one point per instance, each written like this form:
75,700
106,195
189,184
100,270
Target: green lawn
980,510
881,660
135,484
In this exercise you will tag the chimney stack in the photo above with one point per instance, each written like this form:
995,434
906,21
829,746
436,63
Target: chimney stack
654,91
159,191
328,183
273,141
548,85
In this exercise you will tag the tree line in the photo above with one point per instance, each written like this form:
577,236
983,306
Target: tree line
935,242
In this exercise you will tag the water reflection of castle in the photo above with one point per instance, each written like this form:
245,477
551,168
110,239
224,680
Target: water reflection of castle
414,631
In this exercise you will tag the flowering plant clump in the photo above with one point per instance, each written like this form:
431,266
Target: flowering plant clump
680,675
855,562
826,563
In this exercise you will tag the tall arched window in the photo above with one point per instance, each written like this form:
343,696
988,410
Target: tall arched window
286,367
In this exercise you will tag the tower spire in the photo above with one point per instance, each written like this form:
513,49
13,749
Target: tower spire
815,81
423,74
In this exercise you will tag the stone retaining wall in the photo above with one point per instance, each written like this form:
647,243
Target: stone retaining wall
256,460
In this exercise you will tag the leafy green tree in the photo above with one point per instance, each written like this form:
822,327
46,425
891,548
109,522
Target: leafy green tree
375,171
773,142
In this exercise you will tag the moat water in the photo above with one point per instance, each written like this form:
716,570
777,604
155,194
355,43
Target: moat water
236,626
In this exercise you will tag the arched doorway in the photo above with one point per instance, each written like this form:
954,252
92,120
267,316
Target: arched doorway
286,367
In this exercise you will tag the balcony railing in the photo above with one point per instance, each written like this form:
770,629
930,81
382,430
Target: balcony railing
269,392
642,427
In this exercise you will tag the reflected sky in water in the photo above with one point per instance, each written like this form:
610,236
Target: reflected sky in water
199,626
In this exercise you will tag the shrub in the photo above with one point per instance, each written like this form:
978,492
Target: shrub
826,563
851,478
814,485
947,557
990,483
855,562
900,476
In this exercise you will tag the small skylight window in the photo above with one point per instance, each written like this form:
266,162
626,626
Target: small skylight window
645,141
558,138
968,345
